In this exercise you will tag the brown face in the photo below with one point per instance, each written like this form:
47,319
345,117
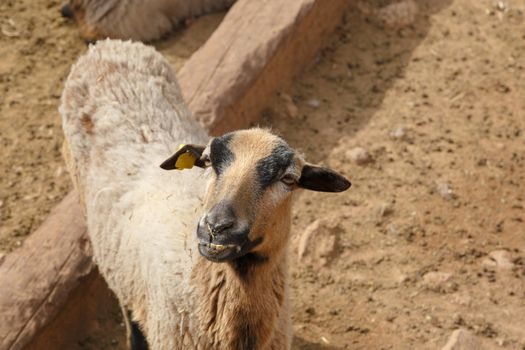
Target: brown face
247,206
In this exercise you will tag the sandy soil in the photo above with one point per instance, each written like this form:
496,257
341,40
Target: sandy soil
37,48
438,106
431,236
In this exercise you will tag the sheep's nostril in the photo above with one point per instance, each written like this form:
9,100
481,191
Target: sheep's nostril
218,227
66,11
220,218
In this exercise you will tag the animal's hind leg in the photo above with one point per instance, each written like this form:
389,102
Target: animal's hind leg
135,338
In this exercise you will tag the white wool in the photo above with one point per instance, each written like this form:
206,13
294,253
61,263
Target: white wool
122,116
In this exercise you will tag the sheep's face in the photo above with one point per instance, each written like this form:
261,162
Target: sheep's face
253,174
88,13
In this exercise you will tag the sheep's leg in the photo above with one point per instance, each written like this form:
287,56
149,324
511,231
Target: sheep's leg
135,338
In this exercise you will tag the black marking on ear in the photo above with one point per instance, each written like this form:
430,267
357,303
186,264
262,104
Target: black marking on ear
322,179
137,339
270,167
196,150
221,155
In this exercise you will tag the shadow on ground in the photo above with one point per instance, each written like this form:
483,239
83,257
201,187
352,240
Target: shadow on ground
361,63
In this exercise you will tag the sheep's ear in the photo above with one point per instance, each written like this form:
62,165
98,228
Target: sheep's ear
186,157
321,179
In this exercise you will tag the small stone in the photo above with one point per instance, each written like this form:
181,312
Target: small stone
501,6
437,277
458,319
391,318
313,102
398,15
291,108
384,209
463,299
462,339
398,133
439,282
319,242
482,162
401,279
445,190
392,230
500,259
359,156
310,311
59,171
2,258
433,320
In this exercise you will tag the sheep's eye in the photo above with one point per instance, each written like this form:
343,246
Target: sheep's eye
288,180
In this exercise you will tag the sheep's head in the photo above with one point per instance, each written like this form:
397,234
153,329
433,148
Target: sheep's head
247,207
88,14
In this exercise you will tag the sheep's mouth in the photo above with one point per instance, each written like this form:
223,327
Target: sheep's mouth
219,252
225,252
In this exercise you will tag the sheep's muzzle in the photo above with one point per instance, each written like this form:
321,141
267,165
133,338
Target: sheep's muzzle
221,236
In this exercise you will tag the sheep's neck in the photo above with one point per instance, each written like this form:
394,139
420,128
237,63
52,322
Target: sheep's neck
242,301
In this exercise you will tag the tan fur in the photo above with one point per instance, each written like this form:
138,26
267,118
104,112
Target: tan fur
257,302
232,305
238,184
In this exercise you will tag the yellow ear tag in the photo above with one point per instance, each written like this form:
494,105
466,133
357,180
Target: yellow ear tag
186,160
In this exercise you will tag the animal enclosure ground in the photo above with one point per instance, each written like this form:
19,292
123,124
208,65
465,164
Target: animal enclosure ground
431,236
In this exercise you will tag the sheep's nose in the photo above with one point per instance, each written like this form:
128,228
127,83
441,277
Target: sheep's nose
220,218
66,11
218,227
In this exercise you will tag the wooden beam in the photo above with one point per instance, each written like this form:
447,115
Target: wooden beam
38,278
259,48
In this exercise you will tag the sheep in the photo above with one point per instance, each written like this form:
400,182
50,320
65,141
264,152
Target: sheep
197,258
136,20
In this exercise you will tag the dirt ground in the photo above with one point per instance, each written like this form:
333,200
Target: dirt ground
428,121
431,237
